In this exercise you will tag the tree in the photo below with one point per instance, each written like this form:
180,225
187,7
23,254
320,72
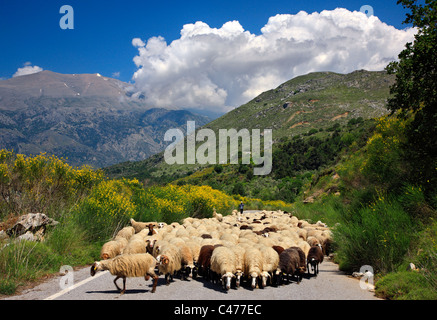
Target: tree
414,93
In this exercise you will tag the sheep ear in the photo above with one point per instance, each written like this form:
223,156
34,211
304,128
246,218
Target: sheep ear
165,260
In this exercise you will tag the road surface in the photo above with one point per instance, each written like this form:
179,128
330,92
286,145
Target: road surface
330,284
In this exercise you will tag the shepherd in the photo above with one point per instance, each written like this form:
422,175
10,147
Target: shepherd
241,206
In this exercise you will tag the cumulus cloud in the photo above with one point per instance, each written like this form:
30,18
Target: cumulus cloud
27,69
222,68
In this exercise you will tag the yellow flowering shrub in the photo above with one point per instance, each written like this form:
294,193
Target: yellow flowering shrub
41,183
107,208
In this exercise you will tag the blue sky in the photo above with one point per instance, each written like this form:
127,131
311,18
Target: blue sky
103,30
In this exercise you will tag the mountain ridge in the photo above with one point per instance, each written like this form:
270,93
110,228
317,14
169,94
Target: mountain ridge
85,118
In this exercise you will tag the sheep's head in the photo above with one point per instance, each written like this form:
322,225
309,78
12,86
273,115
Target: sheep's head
238,275
301,270
277,277
162,259
161,225
226,279
94,268
264,277
254,277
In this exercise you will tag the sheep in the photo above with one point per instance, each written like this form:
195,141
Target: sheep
302,258
315,257
204,261
218,216
313,241
223,264
270,263
151,231
288,264
113,248
253,265
169,261
126,232
278,249
135,245
239,252
134,265
195,248
138,226
187,262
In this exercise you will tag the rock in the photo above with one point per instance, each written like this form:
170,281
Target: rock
33,222
3,235
358,275
28,236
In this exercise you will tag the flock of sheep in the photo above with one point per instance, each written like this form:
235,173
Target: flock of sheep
262,248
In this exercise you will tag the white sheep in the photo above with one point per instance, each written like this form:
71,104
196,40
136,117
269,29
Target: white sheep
134,265
126,232
223,264
253,262
270,263
113,248
169,261
138,226
135,245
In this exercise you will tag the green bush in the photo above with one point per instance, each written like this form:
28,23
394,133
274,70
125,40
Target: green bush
378,235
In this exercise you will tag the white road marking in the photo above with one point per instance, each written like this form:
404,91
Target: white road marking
62,292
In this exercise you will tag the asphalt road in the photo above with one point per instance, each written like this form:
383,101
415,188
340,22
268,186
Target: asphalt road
330,284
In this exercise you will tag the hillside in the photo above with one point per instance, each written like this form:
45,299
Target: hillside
86,118
314,104
313,101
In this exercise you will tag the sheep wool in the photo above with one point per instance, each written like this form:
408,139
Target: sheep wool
134,265
223,264
254,264
113,248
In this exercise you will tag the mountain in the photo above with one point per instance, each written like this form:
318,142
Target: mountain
86,118
310,105
313,101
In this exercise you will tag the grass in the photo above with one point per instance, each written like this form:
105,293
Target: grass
405,285
25,262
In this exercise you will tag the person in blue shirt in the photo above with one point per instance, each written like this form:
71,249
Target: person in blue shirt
241,206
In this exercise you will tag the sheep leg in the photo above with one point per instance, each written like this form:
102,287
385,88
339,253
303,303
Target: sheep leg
155,282
167,280
115,282
124,284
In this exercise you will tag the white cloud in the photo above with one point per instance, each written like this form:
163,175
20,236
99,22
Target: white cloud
218,69
27,69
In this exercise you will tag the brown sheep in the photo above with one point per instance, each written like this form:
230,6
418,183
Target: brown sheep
204,260
278,249
288,265
315,257
302,265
